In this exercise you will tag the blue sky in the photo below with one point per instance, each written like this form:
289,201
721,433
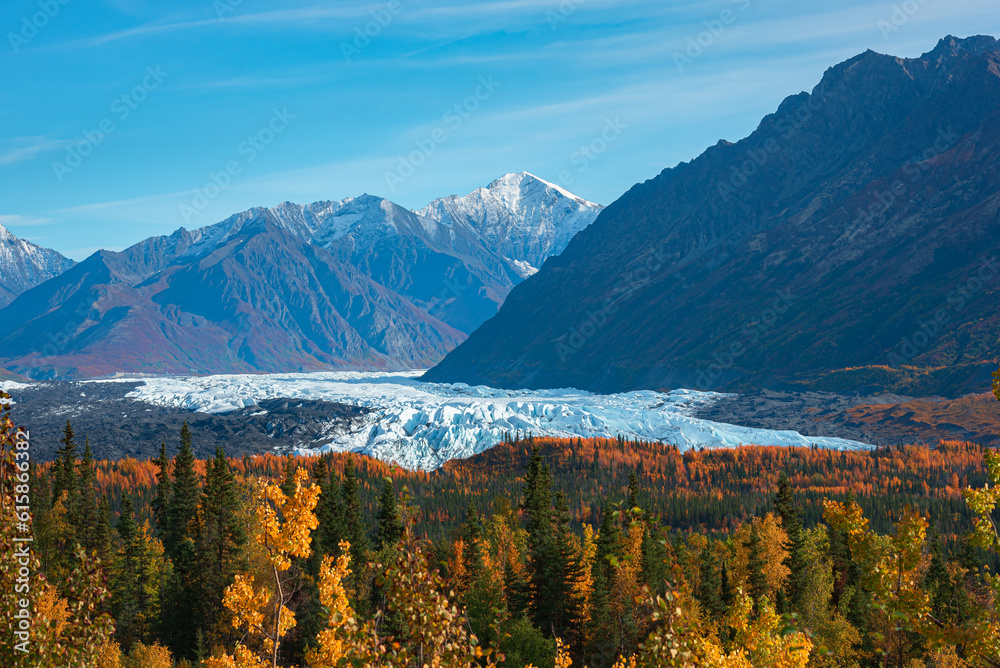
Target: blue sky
123,119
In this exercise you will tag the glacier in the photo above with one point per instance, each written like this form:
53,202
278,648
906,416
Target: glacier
420,425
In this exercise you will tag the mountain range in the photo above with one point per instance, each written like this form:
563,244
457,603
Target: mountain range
358,284
851,242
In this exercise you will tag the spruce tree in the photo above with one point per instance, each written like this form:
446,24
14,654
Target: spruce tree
472,536
161,503
655,567
726,588
183,602
709,591
130,601
633,491
222,537
388,523
537,505
84,506
65,468
288,484
756,577
104,541
565,608
352,523
610,547
329,516
950,602
791,522
321,472
184,497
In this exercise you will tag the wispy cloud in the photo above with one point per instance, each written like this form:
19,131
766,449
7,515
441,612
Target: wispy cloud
22,149
16,220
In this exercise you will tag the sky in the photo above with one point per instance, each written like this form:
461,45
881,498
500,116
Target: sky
124,119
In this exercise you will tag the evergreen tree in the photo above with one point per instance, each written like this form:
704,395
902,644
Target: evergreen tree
726,588
321,472
183,602
161,503
633,491
329,516
756,577
104,542
481,592
537,505
184,495
566,570
84,506
388,523
603,637
950,602
709,591
791,522
655,567
65,468
352,523
130,602
288,484
222,537
472,536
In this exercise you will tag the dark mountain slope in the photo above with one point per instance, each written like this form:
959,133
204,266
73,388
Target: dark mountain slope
846,244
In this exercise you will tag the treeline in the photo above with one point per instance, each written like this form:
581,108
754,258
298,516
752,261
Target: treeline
710,491
538,553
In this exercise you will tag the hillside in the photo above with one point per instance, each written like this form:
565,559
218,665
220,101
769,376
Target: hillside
847,245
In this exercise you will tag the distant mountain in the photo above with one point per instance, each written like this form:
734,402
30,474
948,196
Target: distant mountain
357,284
23,265
852,242
522,217
243,297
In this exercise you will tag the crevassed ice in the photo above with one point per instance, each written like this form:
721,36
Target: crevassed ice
422,425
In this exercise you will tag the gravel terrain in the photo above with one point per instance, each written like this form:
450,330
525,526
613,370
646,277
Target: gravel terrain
121,427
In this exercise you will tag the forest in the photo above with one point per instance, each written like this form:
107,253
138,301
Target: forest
539,552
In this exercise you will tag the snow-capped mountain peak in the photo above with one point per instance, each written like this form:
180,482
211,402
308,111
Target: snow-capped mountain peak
522,217
23,265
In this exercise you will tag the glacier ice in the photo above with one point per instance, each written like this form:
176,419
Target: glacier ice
421,425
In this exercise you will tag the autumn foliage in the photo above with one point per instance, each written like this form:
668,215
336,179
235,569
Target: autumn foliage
599,553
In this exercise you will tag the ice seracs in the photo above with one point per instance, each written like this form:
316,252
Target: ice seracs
422,425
